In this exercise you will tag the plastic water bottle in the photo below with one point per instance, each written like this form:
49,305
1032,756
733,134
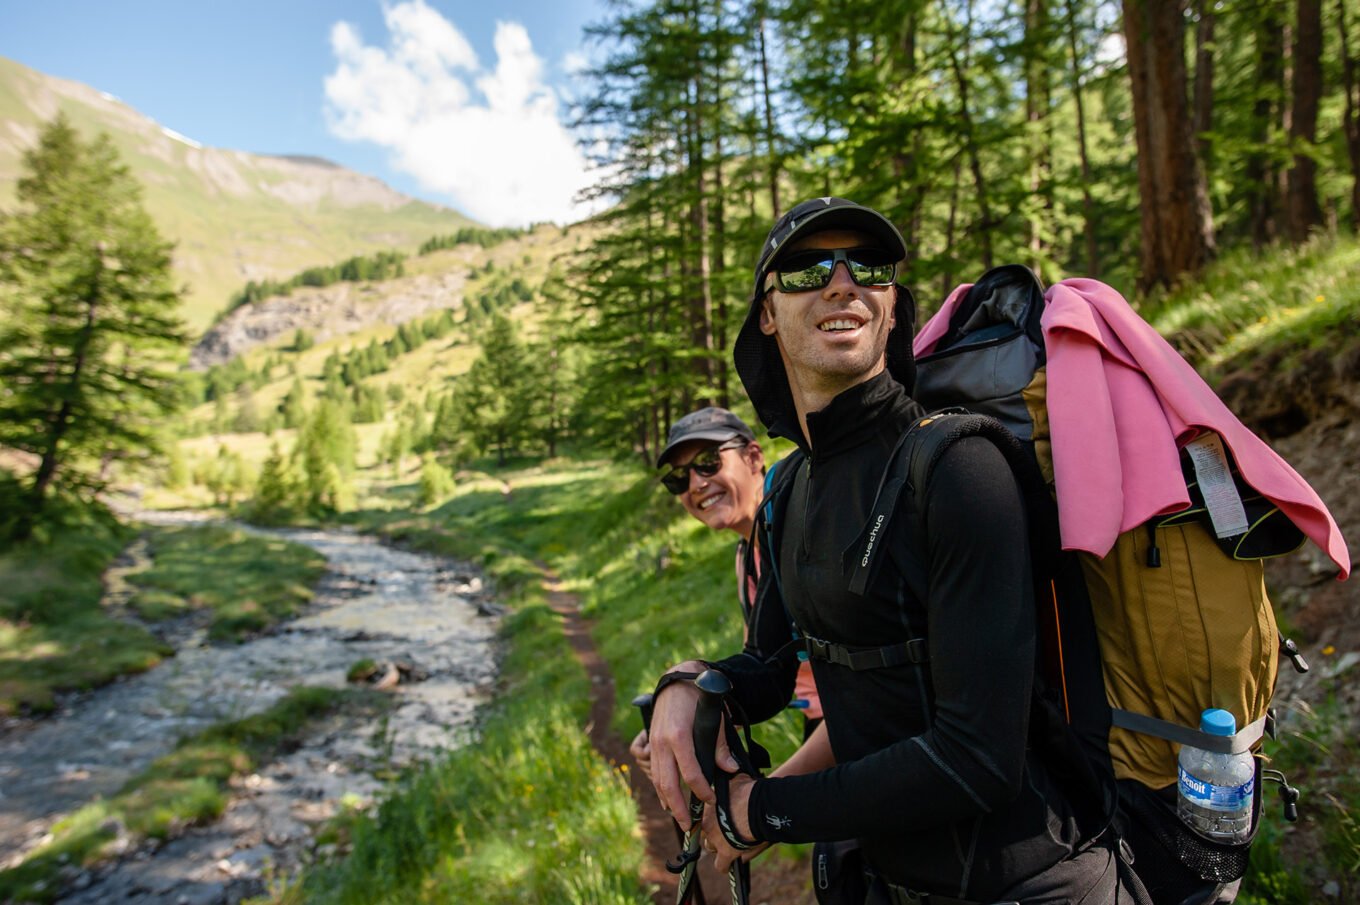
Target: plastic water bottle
1215,790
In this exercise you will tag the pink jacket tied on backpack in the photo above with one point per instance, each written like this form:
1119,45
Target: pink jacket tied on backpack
1121,404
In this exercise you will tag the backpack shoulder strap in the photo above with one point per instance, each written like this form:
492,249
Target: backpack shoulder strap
778,480
908,469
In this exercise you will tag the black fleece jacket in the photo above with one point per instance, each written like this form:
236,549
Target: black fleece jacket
933,774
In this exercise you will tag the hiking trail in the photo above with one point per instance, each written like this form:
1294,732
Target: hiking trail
775,880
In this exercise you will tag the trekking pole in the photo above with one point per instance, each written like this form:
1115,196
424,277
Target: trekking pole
707,719
714,687
643,703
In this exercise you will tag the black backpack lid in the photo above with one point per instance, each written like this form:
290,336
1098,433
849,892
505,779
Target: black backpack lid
1004,299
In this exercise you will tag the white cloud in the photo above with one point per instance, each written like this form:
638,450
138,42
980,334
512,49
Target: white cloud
575,63
489,139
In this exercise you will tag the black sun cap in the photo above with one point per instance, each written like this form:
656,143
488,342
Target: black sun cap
710,423
818,214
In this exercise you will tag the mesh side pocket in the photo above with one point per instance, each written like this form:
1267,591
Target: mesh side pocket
1164,847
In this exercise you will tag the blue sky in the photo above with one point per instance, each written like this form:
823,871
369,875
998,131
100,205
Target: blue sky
455,101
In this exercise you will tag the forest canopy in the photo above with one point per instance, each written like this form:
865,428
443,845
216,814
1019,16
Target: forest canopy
1128,142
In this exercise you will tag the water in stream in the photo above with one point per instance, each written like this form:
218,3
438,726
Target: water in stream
375,602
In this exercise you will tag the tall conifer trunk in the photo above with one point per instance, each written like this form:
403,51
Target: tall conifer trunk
985,224
1263,203
1087,202
771,150
1039,126
1204,83
1304,212
1177,228
1350,122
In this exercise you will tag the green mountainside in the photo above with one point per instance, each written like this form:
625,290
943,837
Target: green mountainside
235,216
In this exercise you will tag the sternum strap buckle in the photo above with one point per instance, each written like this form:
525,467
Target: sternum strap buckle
914,651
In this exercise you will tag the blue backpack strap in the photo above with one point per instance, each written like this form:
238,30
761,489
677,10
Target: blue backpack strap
778,479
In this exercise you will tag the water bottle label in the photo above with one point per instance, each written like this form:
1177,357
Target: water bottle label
1220,798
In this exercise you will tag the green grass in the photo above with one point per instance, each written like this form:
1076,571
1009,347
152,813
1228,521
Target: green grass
187,787
1247,307
1319,754
248,583
54,636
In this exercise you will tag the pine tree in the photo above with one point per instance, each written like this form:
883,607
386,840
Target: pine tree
436,481
276,491
325,451
294,405
497,397
88,324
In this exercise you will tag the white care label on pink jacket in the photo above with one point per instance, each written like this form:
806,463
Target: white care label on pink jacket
1216,483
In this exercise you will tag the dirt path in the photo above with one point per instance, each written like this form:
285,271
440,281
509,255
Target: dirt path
774,880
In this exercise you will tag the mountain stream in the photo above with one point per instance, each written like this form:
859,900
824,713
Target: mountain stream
374,602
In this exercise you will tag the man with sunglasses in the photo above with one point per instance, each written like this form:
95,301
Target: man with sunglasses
934,773
716,469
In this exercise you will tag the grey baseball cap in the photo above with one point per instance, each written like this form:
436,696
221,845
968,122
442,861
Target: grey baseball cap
818,214
711,423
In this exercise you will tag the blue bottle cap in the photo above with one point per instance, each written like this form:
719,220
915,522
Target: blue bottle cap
1217,722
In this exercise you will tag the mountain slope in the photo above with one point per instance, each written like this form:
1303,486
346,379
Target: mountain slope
236,216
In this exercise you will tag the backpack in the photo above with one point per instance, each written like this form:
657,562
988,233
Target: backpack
1134,645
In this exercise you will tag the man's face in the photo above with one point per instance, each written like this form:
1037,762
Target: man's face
834,337
727,500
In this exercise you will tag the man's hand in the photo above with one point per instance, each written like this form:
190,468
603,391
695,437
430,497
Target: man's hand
642,753
739,796
674,765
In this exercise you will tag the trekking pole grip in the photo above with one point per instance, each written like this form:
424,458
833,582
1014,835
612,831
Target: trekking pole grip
713,687
644,703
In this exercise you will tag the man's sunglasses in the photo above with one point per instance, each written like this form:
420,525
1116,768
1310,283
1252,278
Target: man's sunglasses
708,462
804,271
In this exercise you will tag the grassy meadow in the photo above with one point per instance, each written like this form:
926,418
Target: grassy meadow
54,635
245,583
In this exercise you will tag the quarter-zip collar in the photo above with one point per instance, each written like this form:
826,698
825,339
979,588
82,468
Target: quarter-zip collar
857,414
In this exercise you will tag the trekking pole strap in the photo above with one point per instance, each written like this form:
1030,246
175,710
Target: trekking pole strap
1242,742
916,651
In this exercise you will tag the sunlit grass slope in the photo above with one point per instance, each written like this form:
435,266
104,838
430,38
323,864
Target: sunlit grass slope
1250,305
53,633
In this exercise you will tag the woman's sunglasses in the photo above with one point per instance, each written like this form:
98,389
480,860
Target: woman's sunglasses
707,462
804,271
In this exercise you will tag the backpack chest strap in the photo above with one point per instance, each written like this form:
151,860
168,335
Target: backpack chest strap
914,651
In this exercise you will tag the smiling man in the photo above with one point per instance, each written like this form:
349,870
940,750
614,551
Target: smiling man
925,677
716,469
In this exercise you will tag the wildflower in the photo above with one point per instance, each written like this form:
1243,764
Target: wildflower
1321,298
1328,651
